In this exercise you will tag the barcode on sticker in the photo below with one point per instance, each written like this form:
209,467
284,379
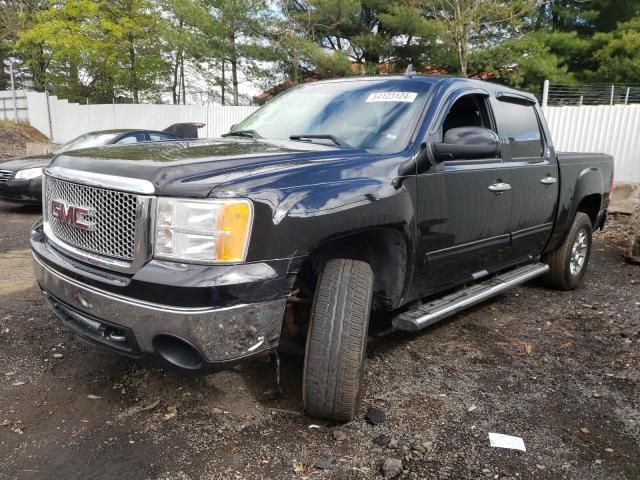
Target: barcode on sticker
407,97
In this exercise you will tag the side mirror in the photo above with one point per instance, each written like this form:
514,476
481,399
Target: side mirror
467,143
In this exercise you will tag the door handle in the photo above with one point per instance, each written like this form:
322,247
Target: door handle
499,188
548,180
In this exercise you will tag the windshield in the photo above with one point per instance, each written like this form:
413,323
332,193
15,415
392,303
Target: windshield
372,114
88,140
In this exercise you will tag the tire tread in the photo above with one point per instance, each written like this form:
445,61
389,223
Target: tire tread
558,276
336,340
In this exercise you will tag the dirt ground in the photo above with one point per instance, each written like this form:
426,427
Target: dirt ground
14,139
561,370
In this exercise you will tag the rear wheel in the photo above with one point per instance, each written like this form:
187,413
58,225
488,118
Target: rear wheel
568,264
337,339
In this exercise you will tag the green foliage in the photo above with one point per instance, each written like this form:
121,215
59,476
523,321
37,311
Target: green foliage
464,24
586,16
299,58
618,53
99,49
528,60
370,33
412,36
571,41
135,50
130,29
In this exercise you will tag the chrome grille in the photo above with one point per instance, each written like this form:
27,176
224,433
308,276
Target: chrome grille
5,175
113,216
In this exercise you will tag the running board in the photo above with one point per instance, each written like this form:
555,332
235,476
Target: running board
432,312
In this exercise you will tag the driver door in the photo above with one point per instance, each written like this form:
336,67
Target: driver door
462,225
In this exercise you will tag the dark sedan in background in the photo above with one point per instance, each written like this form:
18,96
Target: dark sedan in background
21,178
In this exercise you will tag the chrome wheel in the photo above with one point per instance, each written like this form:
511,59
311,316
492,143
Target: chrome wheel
578,253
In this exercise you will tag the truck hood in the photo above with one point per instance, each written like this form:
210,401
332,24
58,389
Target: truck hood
195,168
26,162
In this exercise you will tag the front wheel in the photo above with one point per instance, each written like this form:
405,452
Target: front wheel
337,340
568,263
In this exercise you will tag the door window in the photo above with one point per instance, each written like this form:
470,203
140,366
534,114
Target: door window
519,124
467,111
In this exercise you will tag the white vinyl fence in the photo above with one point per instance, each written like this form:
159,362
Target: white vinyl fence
62,121
607,129
13,105
603,128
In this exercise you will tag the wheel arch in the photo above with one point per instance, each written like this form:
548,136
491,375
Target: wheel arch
585,195
385,249
591,206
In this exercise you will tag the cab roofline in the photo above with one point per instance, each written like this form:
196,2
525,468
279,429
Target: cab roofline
440,80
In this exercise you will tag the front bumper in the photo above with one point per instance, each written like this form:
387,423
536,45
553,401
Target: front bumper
27,192
190,339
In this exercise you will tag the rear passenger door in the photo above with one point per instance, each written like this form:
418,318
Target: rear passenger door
532,173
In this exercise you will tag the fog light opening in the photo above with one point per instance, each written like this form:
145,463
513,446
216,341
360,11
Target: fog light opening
177,352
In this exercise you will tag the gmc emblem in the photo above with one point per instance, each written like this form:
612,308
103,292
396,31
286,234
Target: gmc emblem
72,215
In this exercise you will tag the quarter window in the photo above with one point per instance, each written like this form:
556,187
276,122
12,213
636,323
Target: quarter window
521,128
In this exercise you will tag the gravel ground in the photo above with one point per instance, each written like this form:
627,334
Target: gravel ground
560,370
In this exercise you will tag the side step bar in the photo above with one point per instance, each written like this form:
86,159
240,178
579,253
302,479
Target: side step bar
432,312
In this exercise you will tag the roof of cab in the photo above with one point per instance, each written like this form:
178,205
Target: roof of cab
494,88
125,130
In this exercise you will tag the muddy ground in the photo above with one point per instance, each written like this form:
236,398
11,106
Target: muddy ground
561,370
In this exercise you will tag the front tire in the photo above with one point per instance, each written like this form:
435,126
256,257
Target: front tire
337,340
568,264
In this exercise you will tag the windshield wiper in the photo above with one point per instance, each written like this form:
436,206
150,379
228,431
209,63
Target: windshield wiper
243,133
311,136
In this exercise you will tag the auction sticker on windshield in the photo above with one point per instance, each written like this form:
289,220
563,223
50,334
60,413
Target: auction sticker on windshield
407,97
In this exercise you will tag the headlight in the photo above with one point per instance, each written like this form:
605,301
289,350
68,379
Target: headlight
29,173
202,231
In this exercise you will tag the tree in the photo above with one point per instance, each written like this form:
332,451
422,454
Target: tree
242,42
617,53
584,16
467,24
565,41
178,37
99,49
135,50
14,16
414,40
59,42
132,29
299,53
230,36
574,34
349,26
528,60
368,32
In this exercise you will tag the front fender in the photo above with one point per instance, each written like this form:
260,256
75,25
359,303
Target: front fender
294,222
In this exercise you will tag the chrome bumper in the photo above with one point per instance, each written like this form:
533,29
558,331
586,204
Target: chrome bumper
221,335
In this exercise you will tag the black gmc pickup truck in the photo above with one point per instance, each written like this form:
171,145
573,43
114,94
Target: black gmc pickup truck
418,196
